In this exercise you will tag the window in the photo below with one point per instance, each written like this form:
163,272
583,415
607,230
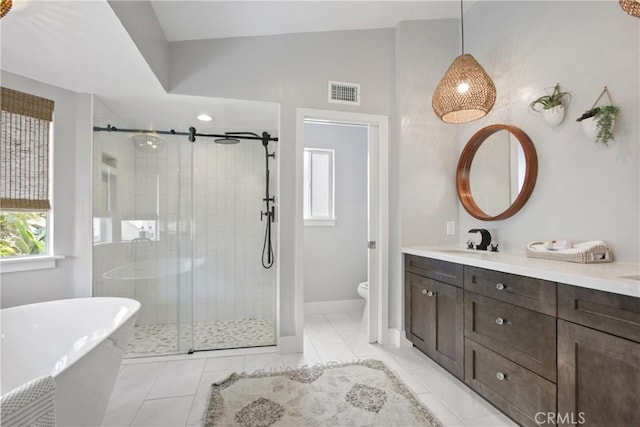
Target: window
24,174
319,187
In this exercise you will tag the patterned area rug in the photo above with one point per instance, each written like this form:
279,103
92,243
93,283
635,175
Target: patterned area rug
363,393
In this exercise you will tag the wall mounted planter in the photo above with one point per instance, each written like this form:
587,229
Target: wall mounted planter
598,122
554,116
553,108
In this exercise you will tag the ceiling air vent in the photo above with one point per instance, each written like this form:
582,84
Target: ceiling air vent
344,93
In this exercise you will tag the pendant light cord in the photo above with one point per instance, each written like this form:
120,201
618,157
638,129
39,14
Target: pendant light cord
462,24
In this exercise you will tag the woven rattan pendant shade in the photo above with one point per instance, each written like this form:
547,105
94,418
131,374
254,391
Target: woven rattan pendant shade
465,93
5,7
632,7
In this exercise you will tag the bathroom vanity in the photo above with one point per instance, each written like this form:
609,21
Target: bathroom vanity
536,338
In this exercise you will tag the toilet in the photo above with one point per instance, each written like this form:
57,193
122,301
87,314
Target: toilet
363,291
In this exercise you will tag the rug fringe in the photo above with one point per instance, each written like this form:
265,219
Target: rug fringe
315,365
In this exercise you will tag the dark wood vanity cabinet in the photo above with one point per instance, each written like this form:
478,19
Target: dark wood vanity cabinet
434,311
598,357
543,353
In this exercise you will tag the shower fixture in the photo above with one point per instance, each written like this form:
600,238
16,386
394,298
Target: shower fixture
227,140
147,140
270,211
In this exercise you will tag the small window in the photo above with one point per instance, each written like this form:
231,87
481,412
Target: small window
24,174
319,187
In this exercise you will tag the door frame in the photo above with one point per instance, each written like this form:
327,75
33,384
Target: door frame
378,298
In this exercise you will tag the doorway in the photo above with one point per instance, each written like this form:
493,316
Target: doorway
376,243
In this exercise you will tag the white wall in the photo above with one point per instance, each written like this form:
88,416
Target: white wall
427,152
583,191
71,201
335,258
294,70
139,19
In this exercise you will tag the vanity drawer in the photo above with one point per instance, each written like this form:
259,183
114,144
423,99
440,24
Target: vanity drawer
442,271
534,294
612,313
524,336
516,391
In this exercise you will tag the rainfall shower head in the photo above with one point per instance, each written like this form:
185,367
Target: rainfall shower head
227,140
147,142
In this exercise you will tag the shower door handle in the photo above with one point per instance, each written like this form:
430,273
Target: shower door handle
371,244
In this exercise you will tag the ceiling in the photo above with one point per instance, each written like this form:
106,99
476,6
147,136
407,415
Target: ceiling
194,20
82,46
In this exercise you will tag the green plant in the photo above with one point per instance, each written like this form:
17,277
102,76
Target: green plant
22,233
604,117
549,101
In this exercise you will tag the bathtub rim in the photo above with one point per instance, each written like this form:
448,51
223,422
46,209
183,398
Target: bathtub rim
132,304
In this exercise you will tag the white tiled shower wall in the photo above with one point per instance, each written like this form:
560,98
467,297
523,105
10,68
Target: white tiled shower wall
225,234
229,187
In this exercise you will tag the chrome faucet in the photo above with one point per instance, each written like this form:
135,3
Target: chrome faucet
485,241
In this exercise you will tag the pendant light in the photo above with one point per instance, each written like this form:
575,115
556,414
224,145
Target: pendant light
465,92
632,7
5,7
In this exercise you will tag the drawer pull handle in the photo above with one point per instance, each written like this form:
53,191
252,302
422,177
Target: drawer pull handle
500,321
500,376
424,291
430,293
500,286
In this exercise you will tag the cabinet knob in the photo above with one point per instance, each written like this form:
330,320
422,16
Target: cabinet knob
430,293
500,321
500,376
424,291
499,286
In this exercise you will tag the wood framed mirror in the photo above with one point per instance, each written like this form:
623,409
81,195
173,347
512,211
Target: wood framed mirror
496,172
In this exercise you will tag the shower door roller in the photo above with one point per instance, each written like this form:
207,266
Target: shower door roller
371,244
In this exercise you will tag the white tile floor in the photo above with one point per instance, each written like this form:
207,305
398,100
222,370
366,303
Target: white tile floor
173,391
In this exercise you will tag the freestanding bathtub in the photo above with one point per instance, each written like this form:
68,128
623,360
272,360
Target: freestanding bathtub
80,342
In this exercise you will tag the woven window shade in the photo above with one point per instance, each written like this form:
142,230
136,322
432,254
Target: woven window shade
632,7
465,93
24,151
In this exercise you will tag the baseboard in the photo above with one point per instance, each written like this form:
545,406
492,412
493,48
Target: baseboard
341,306
397,338
292,344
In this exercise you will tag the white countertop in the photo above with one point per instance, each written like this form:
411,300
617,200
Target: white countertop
612,277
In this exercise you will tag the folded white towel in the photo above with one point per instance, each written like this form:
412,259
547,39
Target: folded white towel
558,245
576,248
32,404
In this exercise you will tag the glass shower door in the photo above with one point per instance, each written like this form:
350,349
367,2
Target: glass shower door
143,235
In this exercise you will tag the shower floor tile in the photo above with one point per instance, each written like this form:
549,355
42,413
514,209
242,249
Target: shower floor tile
160,340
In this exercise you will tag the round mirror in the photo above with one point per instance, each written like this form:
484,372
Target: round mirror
496,172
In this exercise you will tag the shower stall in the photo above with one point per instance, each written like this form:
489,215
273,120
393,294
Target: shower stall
185,223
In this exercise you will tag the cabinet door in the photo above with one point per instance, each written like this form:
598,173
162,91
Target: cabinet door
598,377
418,311
447,347
434,321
